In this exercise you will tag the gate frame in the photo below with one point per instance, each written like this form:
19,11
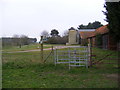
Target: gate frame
88,61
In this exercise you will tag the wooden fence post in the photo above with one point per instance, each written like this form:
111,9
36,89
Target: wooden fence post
90,54
53,53
41,44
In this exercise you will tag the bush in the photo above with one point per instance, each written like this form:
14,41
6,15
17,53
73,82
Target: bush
57,40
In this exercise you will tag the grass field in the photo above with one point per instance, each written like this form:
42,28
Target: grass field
26,47
25,70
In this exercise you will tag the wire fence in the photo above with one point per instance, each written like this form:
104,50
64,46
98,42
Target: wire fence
20,59
105,56
48,55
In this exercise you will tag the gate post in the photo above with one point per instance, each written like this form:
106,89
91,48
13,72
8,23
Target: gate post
56,57
90,54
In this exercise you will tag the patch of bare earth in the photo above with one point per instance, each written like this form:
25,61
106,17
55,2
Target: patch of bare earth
111,76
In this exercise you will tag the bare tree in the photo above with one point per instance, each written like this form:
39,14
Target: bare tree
65,33
16,40
45,33
24,40
16,36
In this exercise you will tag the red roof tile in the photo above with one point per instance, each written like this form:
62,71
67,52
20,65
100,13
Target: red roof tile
85,34
102,30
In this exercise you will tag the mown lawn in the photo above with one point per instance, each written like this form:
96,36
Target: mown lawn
25,70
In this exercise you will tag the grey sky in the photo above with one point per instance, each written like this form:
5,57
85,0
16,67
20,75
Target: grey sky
31,17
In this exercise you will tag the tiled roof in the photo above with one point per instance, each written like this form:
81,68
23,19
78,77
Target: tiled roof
100,30
86,34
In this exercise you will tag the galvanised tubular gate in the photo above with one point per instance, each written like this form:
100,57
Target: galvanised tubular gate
75,56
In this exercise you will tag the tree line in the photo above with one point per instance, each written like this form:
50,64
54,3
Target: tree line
90,25
51,38
54,37
17,40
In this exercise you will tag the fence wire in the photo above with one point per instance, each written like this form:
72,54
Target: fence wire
21,59
104,56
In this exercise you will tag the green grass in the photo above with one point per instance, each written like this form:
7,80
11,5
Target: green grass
25,70
26,47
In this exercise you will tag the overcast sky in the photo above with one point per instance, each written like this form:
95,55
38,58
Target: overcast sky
31,17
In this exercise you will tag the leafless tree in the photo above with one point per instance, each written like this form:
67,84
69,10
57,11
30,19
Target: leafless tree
16,39
45,33
24,40
65,33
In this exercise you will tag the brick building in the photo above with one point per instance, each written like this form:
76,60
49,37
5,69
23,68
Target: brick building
99,37
102,35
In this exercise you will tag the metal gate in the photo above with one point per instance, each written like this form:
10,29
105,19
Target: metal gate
75,56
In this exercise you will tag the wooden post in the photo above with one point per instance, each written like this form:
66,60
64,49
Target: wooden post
52,48
41,44
90,54
53,54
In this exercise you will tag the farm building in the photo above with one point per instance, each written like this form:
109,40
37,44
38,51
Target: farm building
79,36
73,36
97,37
101,38
84,34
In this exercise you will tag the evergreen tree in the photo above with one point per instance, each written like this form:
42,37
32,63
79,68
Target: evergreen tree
113,18
54,33
90,25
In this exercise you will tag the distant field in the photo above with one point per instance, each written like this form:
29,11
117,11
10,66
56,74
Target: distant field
25,70
26,47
